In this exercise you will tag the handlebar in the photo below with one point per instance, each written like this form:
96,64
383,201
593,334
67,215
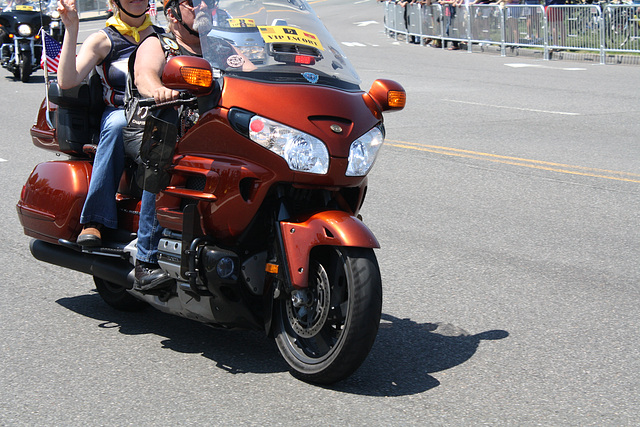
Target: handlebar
150,102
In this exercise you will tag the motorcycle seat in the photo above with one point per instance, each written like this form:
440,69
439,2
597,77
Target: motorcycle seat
77,118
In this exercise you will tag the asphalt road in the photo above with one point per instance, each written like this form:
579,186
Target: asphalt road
506,200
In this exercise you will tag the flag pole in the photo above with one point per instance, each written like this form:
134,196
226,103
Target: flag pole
45,66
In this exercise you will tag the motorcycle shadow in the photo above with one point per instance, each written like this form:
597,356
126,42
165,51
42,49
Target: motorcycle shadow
403,356
406,352
34,79
236,352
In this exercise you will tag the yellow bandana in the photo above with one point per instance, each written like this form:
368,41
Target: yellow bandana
126,29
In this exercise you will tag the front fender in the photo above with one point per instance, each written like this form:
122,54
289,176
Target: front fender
24,47
328,228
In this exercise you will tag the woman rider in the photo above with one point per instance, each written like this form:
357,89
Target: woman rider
107,51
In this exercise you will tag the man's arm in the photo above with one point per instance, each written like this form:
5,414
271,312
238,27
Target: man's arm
147,71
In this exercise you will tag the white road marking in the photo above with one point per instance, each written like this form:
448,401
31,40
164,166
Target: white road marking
365,23
520,65
352,44
533,110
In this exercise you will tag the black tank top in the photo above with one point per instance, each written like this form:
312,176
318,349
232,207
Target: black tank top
113,69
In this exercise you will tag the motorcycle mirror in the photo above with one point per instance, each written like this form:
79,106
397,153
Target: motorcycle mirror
388,94
188,73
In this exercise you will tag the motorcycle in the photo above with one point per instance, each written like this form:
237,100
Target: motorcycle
56,26
260,195
21,44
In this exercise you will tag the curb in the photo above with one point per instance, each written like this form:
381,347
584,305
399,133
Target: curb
93,16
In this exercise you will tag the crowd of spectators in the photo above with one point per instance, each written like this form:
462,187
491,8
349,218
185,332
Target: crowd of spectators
450,10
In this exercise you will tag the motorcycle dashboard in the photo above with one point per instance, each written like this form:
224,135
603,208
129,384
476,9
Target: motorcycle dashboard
274,41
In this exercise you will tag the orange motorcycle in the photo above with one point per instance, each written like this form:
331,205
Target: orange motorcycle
260,195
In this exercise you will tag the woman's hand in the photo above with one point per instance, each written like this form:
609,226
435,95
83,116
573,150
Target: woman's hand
68,13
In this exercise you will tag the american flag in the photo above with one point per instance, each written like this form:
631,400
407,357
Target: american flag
152,8
50,53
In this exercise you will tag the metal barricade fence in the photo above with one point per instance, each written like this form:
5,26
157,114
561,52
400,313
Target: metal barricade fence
90,8
621,27
570,27
487,25
399,18
457,24
576,27
414,22
432,23
524,25
389,18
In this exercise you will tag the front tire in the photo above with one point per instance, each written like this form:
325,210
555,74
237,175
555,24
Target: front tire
25,68
326,332
117,296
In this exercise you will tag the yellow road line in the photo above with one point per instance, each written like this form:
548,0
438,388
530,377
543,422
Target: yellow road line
517,161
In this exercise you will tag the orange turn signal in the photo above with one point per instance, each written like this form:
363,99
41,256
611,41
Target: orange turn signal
272,268
388,95
396,98
197,76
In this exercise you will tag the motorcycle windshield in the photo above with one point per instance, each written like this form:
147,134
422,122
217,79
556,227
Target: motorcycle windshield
280,41
24,6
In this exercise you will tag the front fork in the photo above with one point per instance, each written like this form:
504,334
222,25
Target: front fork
26,49
296,239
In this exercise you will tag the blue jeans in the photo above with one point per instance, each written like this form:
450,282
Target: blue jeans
149,230
108,164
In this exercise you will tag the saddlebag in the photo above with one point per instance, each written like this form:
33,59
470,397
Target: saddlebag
51,201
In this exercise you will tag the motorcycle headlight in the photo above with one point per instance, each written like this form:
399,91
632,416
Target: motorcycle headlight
55,14
24,30
363,152
303,152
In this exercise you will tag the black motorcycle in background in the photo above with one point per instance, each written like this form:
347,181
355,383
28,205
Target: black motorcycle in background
20,23
56,27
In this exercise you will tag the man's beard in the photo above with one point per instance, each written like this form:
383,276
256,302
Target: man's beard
202,23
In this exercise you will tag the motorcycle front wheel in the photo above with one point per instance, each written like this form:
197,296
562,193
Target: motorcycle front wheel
326,331
25,68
